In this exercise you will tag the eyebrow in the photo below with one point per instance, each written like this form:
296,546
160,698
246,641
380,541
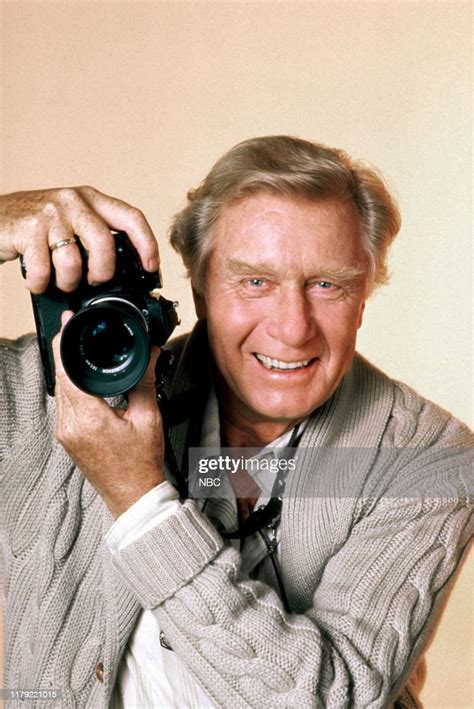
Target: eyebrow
243,268
345,274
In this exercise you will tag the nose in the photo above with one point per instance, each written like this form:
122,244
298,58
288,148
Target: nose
293,320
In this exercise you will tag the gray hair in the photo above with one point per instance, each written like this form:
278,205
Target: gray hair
289,167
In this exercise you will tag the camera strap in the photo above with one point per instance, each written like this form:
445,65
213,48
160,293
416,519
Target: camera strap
268,515
164,364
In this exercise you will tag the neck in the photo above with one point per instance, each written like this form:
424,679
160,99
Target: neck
241,429
257,435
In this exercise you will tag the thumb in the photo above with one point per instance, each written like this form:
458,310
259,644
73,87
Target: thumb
142,398
65,316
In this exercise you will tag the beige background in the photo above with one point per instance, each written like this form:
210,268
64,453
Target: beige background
139,98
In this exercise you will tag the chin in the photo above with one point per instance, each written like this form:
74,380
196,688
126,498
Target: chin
283,413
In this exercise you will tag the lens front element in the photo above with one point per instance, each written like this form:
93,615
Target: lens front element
107,343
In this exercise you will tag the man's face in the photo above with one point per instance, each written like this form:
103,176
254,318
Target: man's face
284,297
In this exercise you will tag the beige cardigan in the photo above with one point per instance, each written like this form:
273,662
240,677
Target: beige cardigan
375,520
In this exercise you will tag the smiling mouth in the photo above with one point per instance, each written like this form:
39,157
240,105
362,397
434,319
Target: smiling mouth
281,366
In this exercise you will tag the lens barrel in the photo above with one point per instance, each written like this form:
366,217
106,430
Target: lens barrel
105,347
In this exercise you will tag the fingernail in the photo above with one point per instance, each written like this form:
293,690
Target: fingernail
66,315
153,264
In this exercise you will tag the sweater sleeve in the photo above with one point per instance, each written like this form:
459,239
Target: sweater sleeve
371,613
23,399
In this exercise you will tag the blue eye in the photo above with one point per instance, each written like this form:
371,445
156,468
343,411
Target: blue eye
326,289
257,282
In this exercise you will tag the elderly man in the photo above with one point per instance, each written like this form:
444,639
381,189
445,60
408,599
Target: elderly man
121,592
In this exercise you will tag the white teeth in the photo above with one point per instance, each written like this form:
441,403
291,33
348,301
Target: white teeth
270,363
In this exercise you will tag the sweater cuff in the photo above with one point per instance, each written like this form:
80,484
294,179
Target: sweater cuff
151,509
165,559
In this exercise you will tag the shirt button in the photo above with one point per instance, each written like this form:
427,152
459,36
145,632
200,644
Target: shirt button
164,643
99,671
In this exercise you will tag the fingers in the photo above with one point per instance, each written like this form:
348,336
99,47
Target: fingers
63,383
66,260
58,364
77,218
122,216
32,222
37,263
142,398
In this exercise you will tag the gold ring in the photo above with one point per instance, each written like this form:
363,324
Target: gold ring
63,242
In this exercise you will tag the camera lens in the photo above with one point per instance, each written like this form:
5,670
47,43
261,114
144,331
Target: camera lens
107,342
105,347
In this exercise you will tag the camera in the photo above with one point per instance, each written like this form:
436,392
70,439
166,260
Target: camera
105,346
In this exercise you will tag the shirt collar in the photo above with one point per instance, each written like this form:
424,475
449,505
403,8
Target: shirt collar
210,438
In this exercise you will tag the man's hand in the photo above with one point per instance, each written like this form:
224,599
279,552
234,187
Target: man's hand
119,451
32,222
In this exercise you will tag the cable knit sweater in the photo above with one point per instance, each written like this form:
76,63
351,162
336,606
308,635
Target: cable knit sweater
375,520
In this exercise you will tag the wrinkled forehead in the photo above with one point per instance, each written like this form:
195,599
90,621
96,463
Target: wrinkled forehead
267,226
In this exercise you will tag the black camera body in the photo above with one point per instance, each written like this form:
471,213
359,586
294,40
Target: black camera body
105,346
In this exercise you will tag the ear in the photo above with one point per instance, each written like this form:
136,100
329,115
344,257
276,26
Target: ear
200,305
361,314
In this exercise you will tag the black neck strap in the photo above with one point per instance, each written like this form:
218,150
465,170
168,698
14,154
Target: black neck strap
270,514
